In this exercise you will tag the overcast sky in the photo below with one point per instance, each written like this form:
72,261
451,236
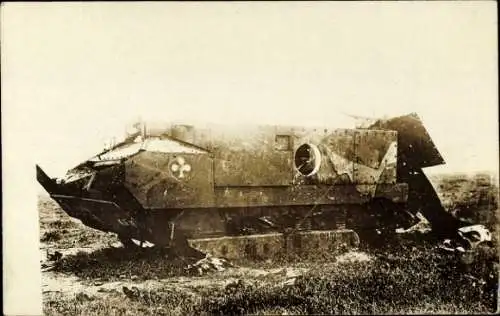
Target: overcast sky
74,74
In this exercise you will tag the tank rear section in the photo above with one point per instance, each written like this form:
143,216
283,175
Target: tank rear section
248,190
417,151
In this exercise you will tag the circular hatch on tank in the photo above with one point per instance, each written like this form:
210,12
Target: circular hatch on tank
307,159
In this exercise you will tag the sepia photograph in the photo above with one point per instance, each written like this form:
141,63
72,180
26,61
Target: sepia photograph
263,158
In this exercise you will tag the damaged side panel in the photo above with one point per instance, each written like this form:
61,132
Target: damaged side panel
415,146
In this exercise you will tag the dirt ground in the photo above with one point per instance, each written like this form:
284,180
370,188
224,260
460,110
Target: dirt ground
95,276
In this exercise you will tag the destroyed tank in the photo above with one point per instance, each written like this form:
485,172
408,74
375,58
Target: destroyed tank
255,191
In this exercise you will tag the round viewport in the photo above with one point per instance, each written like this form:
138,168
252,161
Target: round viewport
307,159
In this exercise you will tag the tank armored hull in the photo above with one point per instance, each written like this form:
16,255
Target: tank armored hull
251,191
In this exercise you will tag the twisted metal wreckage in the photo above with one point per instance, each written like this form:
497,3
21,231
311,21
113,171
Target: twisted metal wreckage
258,191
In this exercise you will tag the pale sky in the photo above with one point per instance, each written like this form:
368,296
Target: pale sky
74,74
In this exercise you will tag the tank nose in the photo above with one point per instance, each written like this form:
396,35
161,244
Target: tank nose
46,182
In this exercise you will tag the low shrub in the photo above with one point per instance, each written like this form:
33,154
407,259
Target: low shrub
51,236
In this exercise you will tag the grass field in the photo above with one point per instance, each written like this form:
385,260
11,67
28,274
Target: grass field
409,275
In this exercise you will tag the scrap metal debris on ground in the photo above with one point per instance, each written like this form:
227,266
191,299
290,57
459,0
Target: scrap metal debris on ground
423,226
475,234
467,238
209,263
